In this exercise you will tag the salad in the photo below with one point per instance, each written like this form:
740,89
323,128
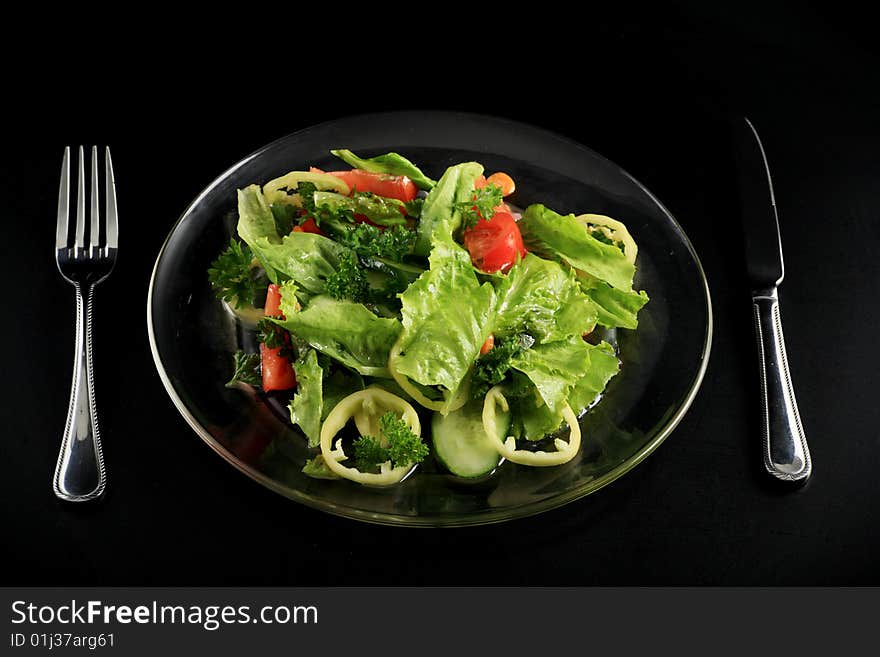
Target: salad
410,318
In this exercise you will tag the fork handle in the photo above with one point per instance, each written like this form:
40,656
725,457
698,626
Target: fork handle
786,454
79,473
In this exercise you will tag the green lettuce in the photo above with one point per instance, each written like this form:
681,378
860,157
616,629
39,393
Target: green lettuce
338,385
318,392
306,405
347,332
554,369
306,258
441,216
446,318
603,367
548,233
541,298
317,468
615,307
390,163
255,218
552,379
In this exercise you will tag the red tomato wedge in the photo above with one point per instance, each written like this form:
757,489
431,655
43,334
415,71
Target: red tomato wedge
496,244
383,184
278,373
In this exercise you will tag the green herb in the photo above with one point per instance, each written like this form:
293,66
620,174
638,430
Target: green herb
306,191
372,242
285,217
234,277
414,207
349,281
491,368
247,369
403,446
275,337
483,205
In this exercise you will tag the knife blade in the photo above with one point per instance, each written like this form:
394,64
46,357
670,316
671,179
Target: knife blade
785,452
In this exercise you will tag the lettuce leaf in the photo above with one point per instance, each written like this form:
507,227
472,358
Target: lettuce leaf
347,332
440,214
615,308
306,258
532,412
307,404
338,385
390,163
446,318
603,367
255,218
548,233
318,392
539,297
554,369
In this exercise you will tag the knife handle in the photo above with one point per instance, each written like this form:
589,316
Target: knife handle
786,455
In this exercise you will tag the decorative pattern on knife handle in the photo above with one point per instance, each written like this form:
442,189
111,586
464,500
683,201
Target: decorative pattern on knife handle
786,454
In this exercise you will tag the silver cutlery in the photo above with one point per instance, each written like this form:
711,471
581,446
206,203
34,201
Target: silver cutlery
84,261
786,454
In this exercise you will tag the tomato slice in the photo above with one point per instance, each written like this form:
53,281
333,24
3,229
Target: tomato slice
278,373
399,187
496,244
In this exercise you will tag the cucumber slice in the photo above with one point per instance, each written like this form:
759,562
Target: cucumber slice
461,443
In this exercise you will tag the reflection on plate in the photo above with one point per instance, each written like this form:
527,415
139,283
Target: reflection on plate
192,337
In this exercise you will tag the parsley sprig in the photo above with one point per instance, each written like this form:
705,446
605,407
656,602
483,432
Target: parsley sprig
483,205
372,242
247,369
274,336
234,276
349,281
401,446
491,368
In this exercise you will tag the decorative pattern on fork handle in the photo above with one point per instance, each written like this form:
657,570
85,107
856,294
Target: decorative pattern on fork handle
80,474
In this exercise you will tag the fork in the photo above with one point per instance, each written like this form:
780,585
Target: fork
80,474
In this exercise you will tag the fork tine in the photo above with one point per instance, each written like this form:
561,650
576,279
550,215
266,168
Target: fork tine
63,202
81,203
94,214
110,190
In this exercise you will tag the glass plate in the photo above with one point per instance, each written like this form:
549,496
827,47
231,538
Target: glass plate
193,337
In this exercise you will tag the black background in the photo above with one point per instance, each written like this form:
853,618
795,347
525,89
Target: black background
649,91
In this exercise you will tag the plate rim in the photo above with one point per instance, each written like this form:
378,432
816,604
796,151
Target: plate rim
476,518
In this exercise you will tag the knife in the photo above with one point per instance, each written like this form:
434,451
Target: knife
786,454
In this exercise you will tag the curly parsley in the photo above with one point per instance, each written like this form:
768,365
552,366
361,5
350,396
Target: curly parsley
403,446
235,278
372,242
486,199
491,368
349,281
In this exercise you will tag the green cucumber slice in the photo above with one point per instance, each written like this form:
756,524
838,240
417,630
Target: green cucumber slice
461,443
